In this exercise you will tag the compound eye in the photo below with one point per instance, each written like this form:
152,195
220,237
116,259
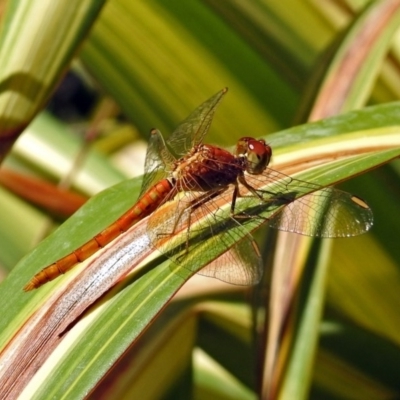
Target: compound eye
258,156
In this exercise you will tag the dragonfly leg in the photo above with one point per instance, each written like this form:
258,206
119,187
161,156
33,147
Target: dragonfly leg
195,204
234,197
275,197
192,206
250,188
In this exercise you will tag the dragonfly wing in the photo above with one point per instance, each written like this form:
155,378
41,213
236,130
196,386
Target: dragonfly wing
325,213
240,265
310,209
192,230
193,129
158,161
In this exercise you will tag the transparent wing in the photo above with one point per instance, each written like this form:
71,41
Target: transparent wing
326,212
240,265
195,230
192,130
158,161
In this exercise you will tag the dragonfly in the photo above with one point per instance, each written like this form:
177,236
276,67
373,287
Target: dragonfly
188,183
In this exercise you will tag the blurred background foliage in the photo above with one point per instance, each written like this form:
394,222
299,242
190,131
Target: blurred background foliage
148,64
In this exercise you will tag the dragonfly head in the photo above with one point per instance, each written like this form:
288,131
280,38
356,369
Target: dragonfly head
256,154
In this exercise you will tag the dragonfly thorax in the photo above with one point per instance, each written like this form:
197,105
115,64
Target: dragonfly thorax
207,167
255,153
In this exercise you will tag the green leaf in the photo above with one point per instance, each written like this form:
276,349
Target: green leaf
38,40
142,75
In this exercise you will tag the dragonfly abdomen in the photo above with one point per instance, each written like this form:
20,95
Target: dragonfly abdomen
149,201
143,207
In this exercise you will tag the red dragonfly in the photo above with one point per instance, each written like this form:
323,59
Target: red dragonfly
193,181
